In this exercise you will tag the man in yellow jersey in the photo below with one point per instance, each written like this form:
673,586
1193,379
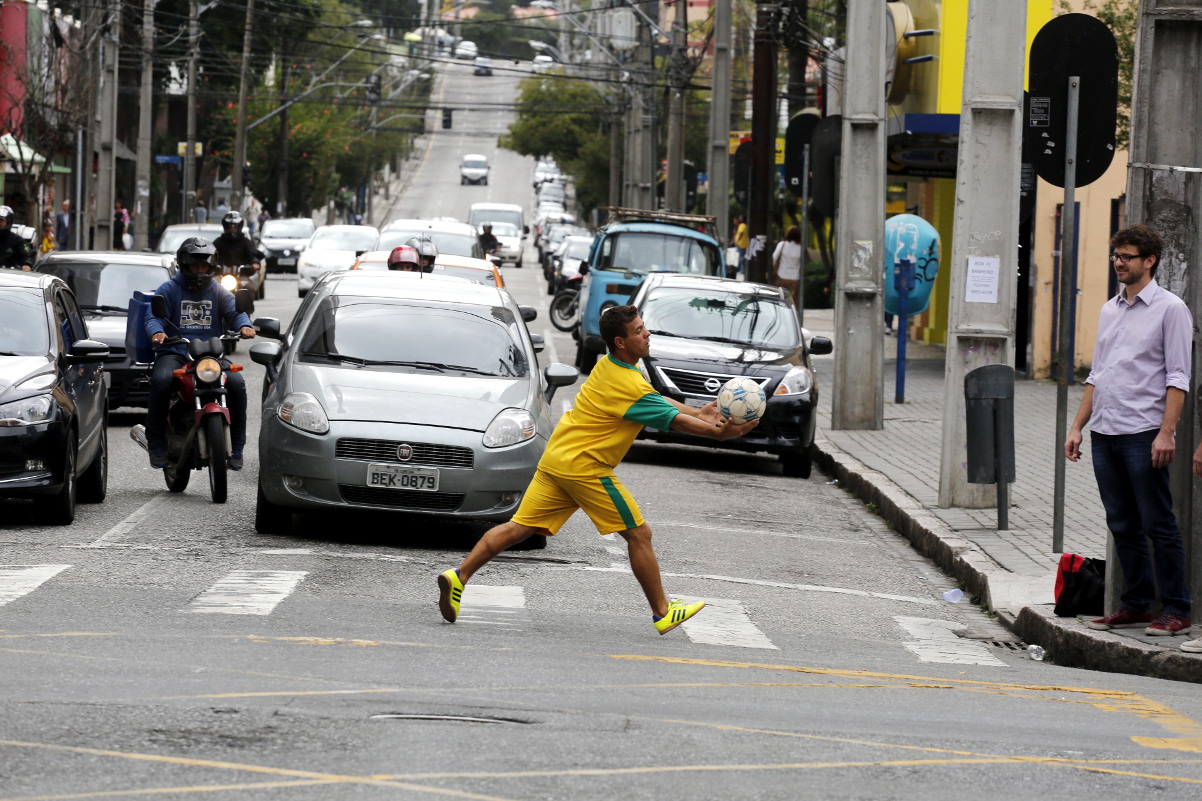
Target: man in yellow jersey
577,468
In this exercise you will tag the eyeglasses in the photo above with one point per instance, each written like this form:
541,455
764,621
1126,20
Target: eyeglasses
1125,258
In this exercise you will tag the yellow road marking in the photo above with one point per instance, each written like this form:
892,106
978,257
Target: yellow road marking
267,694
4,635
205,788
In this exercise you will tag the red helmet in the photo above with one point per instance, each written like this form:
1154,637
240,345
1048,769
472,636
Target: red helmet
404,258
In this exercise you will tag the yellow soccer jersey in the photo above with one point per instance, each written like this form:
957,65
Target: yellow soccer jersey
611,408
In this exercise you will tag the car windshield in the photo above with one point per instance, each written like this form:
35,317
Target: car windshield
475,164
23,324
578,250
645,252
504,229
174,237
449,243
344,239
439,337
481,216
478,276
287,229
762,321
106,285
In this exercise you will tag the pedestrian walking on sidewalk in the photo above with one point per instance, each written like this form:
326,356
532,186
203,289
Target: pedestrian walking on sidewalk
1133,398
576,470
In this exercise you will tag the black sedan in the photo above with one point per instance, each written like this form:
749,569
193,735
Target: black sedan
103,283
707,330
53,398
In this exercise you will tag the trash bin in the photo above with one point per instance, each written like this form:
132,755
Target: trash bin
989,424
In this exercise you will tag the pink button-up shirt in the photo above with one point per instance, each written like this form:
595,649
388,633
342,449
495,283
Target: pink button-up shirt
1143,349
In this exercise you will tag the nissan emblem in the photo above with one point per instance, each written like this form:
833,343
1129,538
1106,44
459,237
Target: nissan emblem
712,385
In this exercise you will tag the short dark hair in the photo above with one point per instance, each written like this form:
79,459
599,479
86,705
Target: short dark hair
614,322
1142,237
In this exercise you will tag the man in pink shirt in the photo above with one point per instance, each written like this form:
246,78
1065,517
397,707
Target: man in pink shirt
1133,398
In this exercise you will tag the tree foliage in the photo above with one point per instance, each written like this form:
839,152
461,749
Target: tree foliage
1122,17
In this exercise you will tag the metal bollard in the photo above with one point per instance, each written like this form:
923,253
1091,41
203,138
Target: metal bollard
989,431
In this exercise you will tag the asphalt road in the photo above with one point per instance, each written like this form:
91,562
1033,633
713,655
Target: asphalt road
160,648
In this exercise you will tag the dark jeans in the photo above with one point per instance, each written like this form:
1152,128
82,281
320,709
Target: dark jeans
1139,508
161,380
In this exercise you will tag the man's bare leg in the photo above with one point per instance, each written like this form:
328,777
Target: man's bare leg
495,540
646,567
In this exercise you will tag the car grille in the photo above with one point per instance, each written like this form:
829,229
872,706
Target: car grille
383,450
11,467
401,499
693,383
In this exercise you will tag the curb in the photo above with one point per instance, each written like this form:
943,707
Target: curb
1066,641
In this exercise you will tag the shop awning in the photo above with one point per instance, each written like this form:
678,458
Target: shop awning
13,149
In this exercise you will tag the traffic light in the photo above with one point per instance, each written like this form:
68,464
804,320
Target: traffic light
373,89
446,118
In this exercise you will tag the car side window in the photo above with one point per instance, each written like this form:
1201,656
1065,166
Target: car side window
62,324
79,328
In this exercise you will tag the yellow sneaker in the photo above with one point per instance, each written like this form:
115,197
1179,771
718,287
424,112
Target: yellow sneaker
678,612
450,593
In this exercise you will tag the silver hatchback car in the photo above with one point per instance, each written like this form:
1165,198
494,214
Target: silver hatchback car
401,391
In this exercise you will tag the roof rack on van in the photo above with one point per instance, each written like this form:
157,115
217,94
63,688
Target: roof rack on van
701,222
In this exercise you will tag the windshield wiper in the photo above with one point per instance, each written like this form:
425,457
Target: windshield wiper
727,340
659,333
439,366
103,308
11,353
338,357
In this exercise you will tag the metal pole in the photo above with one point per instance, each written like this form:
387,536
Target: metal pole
141,204
107,162
190,145
805,232
763,139
674,194
78,216
903,278
237,188
718,167
281,203
1063,359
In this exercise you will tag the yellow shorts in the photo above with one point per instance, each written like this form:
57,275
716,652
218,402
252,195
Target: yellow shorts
550,500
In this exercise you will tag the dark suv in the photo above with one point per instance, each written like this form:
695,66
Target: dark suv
53,398
707,330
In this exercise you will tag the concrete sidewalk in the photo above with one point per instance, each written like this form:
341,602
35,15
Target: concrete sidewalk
1010,572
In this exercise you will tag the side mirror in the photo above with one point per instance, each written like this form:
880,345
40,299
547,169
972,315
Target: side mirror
87,350
529,313
267,354
559,375
583,267
539,343
525,230
820,346
267,327
158,306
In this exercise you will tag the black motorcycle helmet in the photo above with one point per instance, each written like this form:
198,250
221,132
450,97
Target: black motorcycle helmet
232,223
426,249
6,218
196,250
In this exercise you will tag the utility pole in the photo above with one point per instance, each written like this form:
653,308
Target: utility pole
674,194
190,145
281,203
718,166
145,113
763,138
1164,191
110,44
985,241
237,188
858,403
641,168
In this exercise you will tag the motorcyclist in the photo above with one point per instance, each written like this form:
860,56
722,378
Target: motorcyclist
487,241
405,259
15,251
235,248
197,308
426,250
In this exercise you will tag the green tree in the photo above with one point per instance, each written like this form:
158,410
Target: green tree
1122,17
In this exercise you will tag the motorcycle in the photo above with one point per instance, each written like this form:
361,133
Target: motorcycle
198,420
238,280
565,306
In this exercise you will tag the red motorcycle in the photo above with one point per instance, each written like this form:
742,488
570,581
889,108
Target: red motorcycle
198,419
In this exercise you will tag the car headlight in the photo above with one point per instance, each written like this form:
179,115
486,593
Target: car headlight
798,381
301,410
208,370
27,411
509,427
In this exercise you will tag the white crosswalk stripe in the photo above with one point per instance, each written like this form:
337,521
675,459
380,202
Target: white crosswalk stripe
248,592
493,605
18,580
937,642
724,621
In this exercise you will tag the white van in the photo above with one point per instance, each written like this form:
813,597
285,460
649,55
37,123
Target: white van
473,169
498,212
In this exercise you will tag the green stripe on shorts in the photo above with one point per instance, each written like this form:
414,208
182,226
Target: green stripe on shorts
619,501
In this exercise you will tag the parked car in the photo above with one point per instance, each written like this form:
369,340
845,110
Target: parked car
332,247
103,283
174,235
53,398
542,62
707,330
449,419
473,169
566,261
552,192
466,49
510,239
552,235
483,66
545,170
449,236
282,241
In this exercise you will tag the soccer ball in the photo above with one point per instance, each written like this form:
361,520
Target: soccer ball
742,400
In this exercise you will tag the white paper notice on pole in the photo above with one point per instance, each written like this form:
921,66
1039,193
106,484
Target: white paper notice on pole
983,274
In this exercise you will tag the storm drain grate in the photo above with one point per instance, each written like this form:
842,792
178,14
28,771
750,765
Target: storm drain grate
451,718
1009,646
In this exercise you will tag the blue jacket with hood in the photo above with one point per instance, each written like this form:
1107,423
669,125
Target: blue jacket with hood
195,315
